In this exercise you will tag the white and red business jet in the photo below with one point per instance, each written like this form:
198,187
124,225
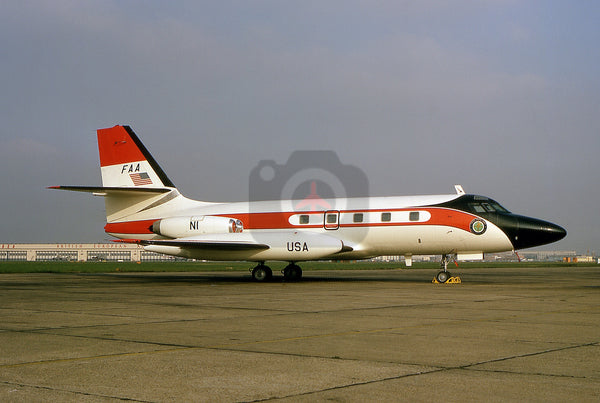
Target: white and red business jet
144,206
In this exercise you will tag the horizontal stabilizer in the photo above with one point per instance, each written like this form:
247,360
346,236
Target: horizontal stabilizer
105,191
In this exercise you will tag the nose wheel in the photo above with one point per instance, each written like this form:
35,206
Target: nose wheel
443,275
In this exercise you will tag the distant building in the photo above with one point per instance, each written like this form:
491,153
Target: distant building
581,259
79,252
543,256
548,256
125,252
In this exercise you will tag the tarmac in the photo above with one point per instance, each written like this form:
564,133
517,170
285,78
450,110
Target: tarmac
522,334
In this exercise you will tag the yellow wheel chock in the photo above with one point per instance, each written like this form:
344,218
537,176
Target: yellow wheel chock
451,280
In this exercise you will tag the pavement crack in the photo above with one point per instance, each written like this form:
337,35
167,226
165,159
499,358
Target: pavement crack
551,350
467,367
500,371
95,357
75,392
349,385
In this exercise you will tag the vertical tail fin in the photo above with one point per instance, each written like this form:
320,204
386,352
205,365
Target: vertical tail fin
125,162
136,190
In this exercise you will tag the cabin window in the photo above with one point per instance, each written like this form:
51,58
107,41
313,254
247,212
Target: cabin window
413,216
358,217
304,219
331,218
386,216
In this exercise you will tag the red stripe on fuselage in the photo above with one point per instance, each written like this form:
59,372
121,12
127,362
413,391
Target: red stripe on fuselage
129,227
116,146
280,220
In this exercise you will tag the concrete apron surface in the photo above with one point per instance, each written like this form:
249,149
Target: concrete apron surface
502,335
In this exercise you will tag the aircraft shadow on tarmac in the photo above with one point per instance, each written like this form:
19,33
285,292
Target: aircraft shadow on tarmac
244,278
483,276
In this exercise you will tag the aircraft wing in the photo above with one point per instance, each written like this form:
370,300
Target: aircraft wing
217,245
258,246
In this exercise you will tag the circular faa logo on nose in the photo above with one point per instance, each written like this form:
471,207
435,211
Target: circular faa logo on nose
478,226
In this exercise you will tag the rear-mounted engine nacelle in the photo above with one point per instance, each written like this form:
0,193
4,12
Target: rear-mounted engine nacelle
179,227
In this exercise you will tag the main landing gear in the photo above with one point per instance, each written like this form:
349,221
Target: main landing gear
262,272
292,272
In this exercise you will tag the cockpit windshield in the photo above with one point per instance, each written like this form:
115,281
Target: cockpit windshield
485,205
480,205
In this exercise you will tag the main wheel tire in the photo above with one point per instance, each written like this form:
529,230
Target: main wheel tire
442,276
292,272
297,273
261,273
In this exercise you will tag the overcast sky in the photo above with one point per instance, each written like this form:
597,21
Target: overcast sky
500,96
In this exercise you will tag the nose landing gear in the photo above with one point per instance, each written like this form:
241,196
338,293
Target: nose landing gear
445,276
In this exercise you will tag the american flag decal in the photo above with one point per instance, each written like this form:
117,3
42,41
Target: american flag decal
141,179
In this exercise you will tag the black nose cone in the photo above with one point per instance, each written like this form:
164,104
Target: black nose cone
527,232
534,232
